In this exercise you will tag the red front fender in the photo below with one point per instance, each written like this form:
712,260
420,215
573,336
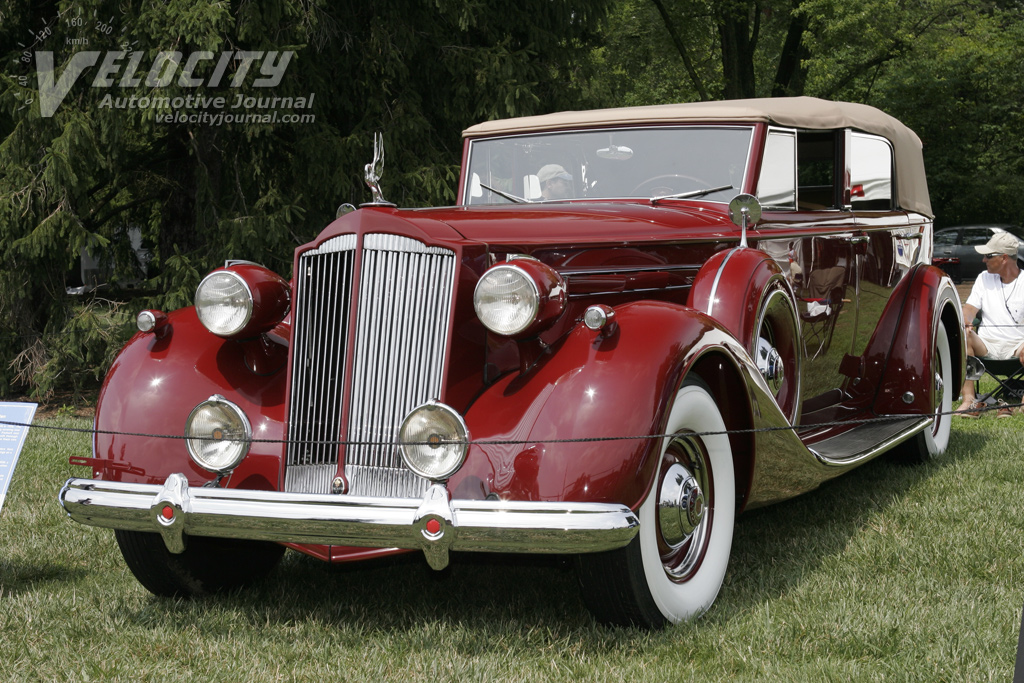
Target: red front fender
730,286
154,384
597,390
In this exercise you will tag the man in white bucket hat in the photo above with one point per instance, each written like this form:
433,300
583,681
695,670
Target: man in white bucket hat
998,294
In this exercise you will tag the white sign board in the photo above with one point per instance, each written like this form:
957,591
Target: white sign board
14,421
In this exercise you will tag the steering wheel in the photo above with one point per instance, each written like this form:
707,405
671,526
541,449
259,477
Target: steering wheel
670,183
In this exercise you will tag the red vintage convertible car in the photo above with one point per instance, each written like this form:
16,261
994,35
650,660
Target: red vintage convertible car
635,324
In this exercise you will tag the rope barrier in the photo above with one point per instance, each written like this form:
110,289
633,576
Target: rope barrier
513,442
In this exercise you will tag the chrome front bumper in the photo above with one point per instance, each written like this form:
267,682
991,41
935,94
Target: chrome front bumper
434,524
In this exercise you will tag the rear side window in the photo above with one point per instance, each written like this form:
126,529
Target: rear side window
870,173
816,170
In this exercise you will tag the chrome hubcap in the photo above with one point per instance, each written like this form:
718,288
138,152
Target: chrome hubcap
770,364
680,505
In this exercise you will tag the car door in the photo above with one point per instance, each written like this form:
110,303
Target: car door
814,240
888,245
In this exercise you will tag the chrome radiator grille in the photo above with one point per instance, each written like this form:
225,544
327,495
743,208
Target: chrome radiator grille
405,291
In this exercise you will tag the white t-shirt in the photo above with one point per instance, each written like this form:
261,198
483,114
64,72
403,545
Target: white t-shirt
1001,306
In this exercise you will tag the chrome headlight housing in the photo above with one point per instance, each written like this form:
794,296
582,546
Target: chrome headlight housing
218,435
519,298
224,303
242,300
433,439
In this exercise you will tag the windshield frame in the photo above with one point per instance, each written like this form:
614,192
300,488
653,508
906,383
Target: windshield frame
472,144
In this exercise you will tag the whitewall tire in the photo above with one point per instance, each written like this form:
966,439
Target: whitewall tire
672,571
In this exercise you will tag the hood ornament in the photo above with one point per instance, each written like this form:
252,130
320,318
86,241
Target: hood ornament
374,169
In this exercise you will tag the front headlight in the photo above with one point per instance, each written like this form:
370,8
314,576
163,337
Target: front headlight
224,303
433,439
242,300
218,435
519,298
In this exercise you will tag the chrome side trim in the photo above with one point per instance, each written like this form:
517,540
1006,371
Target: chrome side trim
431,523
611,292
718,277
627,270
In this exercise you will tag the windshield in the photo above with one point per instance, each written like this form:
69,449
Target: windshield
699,161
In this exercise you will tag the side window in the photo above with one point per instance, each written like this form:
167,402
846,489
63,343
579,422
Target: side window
816,170
976,236
945,238
776,187
870,173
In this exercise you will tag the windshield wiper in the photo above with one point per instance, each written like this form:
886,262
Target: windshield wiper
691,195
511,197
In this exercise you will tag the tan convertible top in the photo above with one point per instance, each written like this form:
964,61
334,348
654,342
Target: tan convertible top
796,112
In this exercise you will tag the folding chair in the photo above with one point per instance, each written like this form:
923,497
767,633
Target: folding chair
1009,377
1008,374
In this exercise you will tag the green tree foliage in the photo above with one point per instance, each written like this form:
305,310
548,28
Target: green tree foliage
961,88
200,192
949,69
686,50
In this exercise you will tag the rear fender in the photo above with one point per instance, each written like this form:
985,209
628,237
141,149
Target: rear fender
596,390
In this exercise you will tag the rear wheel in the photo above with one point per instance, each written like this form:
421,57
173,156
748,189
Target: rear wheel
932,441
672,571
208,565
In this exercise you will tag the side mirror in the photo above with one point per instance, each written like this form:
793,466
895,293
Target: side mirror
744,210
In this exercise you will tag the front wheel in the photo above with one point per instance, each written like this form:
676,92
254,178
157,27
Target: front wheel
208,565
672,571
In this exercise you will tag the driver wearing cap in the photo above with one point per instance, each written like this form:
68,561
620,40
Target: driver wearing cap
555,183
998,294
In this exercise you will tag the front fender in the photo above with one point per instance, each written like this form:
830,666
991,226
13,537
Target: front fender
730,288
599,389
746,291
153,385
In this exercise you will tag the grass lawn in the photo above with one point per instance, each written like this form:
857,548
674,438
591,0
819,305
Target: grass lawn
888,573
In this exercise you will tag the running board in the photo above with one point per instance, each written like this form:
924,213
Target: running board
868,440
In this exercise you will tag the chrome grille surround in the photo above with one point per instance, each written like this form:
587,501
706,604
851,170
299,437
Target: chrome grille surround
401,331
